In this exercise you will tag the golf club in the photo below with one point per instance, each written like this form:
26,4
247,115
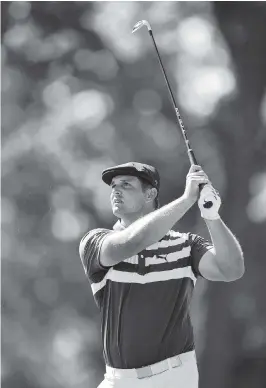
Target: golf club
190,152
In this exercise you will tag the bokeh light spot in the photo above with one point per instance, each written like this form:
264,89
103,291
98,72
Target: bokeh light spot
256,209
195,36
66,225
19,9
56,94
91,106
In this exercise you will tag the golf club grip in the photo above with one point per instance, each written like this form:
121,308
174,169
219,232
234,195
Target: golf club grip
193,160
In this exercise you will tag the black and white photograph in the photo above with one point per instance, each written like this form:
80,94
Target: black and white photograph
133,194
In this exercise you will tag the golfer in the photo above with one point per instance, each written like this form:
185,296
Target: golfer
142,274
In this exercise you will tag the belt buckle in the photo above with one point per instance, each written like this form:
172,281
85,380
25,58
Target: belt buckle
143,372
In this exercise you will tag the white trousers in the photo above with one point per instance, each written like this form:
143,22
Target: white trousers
184,375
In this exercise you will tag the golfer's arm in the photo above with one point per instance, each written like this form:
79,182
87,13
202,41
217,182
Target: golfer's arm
225,262
118,246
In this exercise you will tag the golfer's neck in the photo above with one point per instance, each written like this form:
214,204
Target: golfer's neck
128,219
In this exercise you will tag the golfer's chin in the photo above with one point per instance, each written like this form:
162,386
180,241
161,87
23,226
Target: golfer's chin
117,209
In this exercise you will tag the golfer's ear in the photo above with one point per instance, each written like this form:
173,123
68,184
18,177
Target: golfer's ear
151,194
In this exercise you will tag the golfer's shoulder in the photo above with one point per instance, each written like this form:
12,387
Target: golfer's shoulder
175,235
188,238
95,233
195,241
178,238
92,237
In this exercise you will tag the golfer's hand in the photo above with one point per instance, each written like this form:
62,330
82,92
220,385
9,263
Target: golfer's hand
195,177
208,193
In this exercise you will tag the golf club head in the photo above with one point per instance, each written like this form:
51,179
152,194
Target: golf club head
140,24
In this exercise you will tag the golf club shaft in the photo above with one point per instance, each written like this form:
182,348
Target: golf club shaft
190,152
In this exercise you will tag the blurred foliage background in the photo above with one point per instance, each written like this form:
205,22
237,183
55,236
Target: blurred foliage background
81,93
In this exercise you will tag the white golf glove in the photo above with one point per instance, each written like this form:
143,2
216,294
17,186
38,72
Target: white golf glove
209,194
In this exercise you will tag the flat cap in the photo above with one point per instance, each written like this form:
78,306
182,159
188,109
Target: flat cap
140,170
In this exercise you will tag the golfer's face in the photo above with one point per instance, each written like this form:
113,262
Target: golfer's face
127,195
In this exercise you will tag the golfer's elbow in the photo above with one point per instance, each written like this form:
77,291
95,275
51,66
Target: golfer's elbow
236,270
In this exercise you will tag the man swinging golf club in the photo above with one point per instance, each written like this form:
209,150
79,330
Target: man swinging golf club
142,275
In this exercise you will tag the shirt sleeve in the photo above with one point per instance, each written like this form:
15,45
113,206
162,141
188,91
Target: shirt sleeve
199,246
89,251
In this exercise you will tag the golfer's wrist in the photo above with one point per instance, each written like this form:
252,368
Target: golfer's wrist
212,217
188,200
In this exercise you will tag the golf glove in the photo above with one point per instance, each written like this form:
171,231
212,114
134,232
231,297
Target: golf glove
209,194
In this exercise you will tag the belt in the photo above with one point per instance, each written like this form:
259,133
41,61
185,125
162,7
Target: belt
154,369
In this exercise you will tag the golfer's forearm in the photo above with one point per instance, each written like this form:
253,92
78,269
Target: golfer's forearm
153,226
228,252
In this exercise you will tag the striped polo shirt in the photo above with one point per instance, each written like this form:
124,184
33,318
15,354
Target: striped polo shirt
144,300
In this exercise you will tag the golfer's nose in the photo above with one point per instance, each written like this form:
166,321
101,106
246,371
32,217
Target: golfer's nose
117,191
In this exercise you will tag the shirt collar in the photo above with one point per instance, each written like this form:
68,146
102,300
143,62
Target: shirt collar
118,226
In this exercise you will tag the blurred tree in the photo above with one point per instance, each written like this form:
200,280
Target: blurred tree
233,358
